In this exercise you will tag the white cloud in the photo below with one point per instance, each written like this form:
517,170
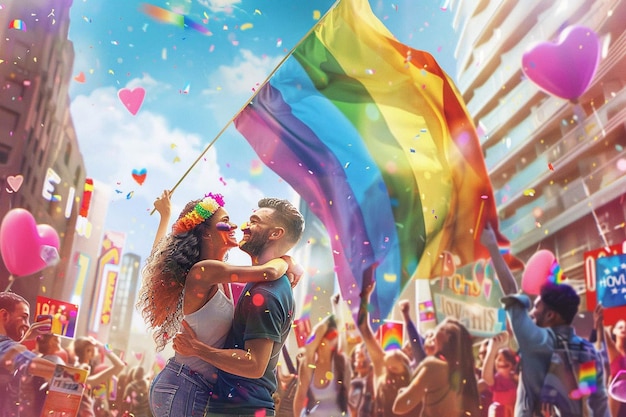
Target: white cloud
248,72
114,143
219,5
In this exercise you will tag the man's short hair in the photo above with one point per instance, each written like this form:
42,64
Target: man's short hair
287,216
9,300
562,299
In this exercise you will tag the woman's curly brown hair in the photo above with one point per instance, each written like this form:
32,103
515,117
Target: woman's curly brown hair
160,299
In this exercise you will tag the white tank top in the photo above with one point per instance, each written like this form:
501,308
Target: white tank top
211,322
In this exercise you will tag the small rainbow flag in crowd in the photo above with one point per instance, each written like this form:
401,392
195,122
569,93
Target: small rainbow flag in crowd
391,335
556,275
306,307
17,24
587,377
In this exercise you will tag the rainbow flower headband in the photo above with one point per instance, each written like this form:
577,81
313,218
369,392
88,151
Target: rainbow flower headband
202,211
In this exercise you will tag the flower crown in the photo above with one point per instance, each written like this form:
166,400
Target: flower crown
202,211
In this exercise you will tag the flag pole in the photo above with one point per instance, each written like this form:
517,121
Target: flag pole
221,132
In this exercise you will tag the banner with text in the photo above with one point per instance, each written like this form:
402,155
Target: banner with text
65,392
471,295
605,270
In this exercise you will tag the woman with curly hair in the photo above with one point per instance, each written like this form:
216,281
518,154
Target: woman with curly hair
445,383
184,278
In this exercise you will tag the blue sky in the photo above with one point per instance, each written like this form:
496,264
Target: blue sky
195,84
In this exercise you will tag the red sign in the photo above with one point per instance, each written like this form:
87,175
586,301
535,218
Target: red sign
613,314
302,329
64,315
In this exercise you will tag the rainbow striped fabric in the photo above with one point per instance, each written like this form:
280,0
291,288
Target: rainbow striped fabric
374,136
587,377
391,334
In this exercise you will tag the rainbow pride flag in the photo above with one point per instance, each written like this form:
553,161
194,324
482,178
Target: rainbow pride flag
391,335
375,138
587,377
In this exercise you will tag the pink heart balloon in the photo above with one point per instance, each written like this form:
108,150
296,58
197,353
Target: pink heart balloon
26,247
565,68
132,99
537,271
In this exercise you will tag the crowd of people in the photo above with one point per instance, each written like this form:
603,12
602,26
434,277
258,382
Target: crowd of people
30,354
233,367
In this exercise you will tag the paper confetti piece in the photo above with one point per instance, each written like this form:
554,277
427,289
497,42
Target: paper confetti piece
316,15
80,78
246,26
529,192
17,24
139,175
166,16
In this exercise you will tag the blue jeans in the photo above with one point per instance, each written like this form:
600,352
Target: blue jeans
179,391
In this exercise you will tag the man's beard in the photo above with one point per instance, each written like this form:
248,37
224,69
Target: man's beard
15,333
256,243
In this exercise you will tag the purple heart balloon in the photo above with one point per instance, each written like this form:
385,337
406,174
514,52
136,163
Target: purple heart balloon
565,68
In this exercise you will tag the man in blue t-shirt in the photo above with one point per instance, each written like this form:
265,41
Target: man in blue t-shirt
261,323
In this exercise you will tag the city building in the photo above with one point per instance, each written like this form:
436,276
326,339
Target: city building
558,167
124,301
41,168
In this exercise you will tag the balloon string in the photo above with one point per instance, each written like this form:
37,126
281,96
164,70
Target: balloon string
595,115
580,117
11,280
593,213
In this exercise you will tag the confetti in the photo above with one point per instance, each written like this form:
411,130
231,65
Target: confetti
529,192
80,78
246,26
14,183
17,24
258,300
256,168
316,15
165,16
139,175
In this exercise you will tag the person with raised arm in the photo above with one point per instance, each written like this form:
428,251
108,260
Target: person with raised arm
262,321
186,279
